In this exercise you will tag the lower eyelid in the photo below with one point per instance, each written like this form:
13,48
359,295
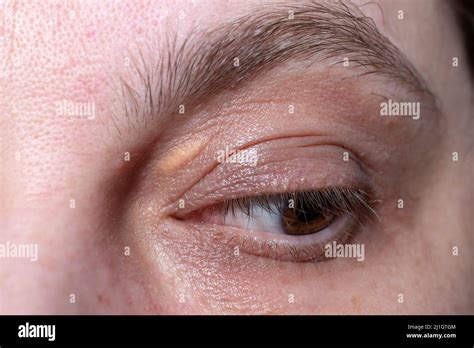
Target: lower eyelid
322,236
296,249
308,248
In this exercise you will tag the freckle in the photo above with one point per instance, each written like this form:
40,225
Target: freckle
355,304
103,300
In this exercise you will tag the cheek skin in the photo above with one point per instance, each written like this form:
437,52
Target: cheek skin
72,259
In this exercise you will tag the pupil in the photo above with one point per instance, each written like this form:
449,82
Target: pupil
306,214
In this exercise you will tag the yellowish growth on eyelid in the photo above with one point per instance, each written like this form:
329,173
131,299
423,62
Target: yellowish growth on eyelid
179,155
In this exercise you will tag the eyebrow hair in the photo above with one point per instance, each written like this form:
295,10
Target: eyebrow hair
203,65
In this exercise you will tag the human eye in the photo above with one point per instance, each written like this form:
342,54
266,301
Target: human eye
293,226
299,197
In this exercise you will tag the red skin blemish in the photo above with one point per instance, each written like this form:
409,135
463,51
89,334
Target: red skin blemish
90,34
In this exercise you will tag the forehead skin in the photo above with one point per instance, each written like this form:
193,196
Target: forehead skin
68,50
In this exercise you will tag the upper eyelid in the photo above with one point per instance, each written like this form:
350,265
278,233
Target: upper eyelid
351,173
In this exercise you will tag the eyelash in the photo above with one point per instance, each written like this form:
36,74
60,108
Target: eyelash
335,201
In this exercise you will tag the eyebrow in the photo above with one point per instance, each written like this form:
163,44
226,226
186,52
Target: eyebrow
203,65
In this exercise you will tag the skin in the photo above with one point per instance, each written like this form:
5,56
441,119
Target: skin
185,266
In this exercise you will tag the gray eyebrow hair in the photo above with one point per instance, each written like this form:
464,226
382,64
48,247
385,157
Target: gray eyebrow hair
203,64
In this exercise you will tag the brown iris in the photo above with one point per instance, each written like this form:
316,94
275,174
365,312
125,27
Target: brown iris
304,219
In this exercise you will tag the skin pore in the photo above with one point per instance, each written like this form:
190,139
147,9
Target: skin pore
115,202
